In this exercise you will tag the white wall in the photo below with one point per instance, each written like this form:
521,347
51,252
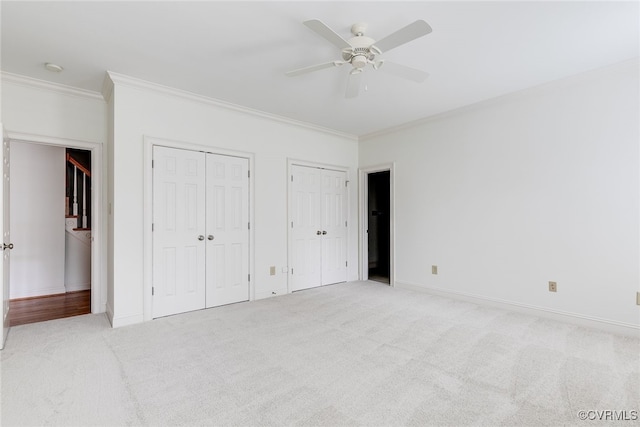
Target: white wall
510,194
141,111
77,261
47,110
37,220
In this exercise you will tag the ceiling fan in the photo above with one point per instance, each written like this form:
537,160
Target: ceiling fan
360,51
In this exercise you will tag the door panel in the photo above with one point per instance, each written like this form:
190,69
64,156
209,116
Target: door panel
306,191
227,210
334,268
178,222
6,239
319,227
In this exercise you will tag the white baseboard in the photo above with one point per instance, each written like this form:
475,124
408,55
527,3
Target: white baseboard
117,322
607,325
109,312
74,287
270,293
36,292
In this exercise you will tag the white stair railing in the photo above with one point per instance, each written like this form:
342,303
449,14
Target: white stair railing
81,195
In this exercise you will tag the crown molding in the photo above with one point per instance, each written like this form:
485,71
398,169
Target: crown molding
30,82
120,79
586,76
107,88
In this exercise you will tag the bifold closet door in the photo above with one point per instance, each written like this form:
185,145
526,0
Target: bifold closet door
178,231
200,230
318,227
334,227
227,222
306,228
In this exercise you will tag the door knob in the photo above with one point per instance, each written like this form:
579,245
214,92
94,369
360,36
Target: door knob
324,232
201,237
210,237
5,246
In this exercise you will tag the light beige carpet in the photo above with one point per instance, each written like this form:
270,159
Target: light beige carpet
357,353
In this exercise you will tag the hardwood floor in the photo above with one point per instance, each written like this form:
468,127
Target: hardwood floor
49,307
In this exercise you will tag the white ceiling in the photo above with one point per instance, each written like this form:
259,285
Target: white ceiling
238,51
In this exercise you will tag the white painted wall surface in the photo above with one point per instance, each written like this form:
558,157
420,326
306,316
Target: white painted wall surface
77,262
140,111
49,112
37,220
537,186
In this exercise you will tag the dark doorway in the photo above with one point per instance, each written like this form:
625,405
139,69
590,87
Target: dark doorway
378,233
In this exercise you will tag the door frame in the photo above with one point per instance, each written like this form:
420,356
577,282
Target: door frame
148,144
98,201
295,162
363,190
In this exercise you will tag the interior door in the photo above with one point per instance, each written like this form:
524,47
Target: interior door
6,239
178,231
318,227
227,219
334,227
306,228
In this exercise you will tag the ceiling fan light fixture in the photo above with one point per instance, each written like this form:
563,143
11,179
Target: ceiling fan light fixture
359,61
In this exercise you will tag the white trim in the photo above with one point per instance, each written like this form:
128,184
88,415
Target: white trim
54,87
149,143
109,313
363,190
611,326
295,162
120,79
117,322
98,227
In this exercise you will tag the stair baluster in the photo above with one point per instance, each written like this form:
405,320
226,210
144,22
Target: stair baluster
84,200
75,190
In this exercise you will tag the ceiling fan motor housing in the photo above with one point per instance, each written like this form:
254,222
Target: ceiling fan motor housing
360,53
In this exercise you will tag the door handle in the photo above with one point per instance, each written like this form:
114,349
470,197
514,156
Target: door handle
201,237
5,246
210,237
324,232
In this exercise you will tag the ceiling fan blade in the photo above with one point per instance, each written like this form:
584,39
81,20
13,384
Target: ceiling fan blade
327,33
312,68
404,35
412,74
353,84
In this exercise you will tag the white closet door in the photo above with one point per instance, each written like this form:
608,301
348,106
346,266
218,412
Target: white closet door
306,228
178,231
334,227
319,228
227,230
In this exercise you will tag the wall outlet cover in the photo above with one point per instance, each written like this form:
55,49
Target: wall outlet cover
434,269
553,287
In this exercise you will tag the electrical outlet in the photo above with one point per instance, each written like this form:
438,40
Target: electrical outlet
272,270
434,269
638,298
553,287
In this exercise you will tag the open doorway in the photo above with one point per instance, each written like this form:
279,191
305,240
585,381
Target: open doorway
51,214
379,226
